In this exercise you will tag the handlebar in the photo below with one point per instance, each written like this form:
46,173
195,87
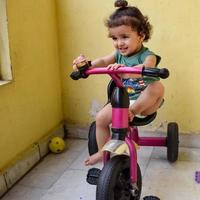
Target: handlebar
84,72
155,72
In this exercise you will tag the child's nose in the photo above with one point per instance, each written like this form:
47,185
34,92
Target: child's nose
120,42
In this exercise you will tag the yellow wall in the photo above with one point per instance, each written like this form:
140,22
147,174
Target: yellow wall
176,29
31,105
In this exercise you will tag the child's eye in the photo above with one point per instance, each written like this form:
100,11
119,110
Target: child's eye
114,38
125,36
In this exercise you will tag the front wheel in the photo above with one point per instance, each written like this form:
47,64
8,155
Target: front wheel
114,181
172,142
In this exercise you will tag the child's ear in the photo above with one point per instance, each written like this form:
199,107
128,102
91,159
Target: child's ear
142,36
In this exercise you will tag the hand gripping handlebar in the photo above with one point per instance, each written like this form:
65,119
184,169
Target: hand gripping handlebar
85,71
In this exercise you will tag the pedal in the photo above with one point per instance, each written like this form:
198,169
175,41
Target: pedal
151,198
93,176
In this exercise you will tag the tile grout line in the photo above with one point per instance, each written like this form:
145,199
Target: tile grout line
148,162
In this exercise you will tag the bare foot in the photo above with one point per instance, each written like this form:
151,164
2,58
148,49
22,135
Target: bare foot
97,157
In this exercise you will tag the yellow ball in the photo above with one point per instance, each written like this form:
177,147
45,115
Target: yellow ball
57,144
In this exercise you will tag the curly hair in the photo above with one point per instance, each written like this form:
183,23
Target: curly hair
130,16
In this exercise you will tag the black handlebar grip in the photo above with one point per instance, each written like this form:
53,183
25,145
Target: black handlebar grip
155,72
75,75
82,67
164,73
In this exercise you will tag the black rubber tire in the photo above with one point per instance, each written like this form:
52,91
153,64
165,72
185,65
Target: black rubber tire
92,142
151,198
114,180
172,142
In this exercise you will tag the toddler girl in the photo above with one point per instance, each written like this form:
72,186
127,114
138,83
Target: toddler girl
128,28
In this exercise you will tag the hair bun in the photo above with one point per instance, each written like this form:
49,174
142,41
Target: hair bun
121,3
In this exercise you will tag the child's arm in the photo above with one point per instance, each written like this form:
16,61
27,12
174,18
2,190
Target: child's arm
150,61
99,62
104,61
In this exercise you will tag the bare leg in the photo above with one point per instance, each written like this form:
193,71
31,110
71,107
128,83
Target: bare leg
147,103
103,120
150,99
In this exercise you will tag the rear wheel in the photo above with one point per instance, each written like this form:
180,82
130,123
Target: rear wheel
114,181
92,142
172,142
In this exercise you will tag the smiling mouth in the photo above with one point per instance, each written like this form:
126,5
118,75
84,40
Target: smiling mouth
123,49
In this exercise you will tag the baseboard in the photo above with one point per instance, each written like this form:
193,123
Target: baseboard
77,131
23,163
3,187
185,139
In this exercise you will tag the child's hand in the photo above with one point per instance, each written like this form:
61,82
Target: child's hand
80,59
115,66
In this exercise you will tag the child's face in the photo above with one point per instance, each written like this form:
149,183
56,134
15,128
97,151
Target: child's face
125,39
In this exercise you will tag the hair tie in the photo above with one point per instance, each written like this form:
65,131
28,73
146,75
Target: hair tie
121,3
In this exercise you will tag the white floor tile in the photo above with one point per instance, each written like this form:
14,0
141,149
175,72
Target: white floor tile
77,145
63,176
49,170
144,155
189,154
171,181
78,164
19,192
185,154
71,186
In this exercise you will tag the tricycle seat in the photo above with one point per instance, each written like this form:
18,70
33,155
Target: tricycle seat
137,121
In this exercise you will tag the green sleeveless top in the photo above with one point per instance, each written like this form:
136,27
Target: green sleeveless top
136,85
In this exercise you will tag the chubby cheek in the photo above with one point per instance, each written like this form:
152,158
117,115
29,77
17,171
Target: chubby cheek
115,45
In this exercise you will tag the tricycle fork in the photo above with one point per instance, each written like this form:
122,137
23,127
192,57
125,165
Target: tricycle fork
133,159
